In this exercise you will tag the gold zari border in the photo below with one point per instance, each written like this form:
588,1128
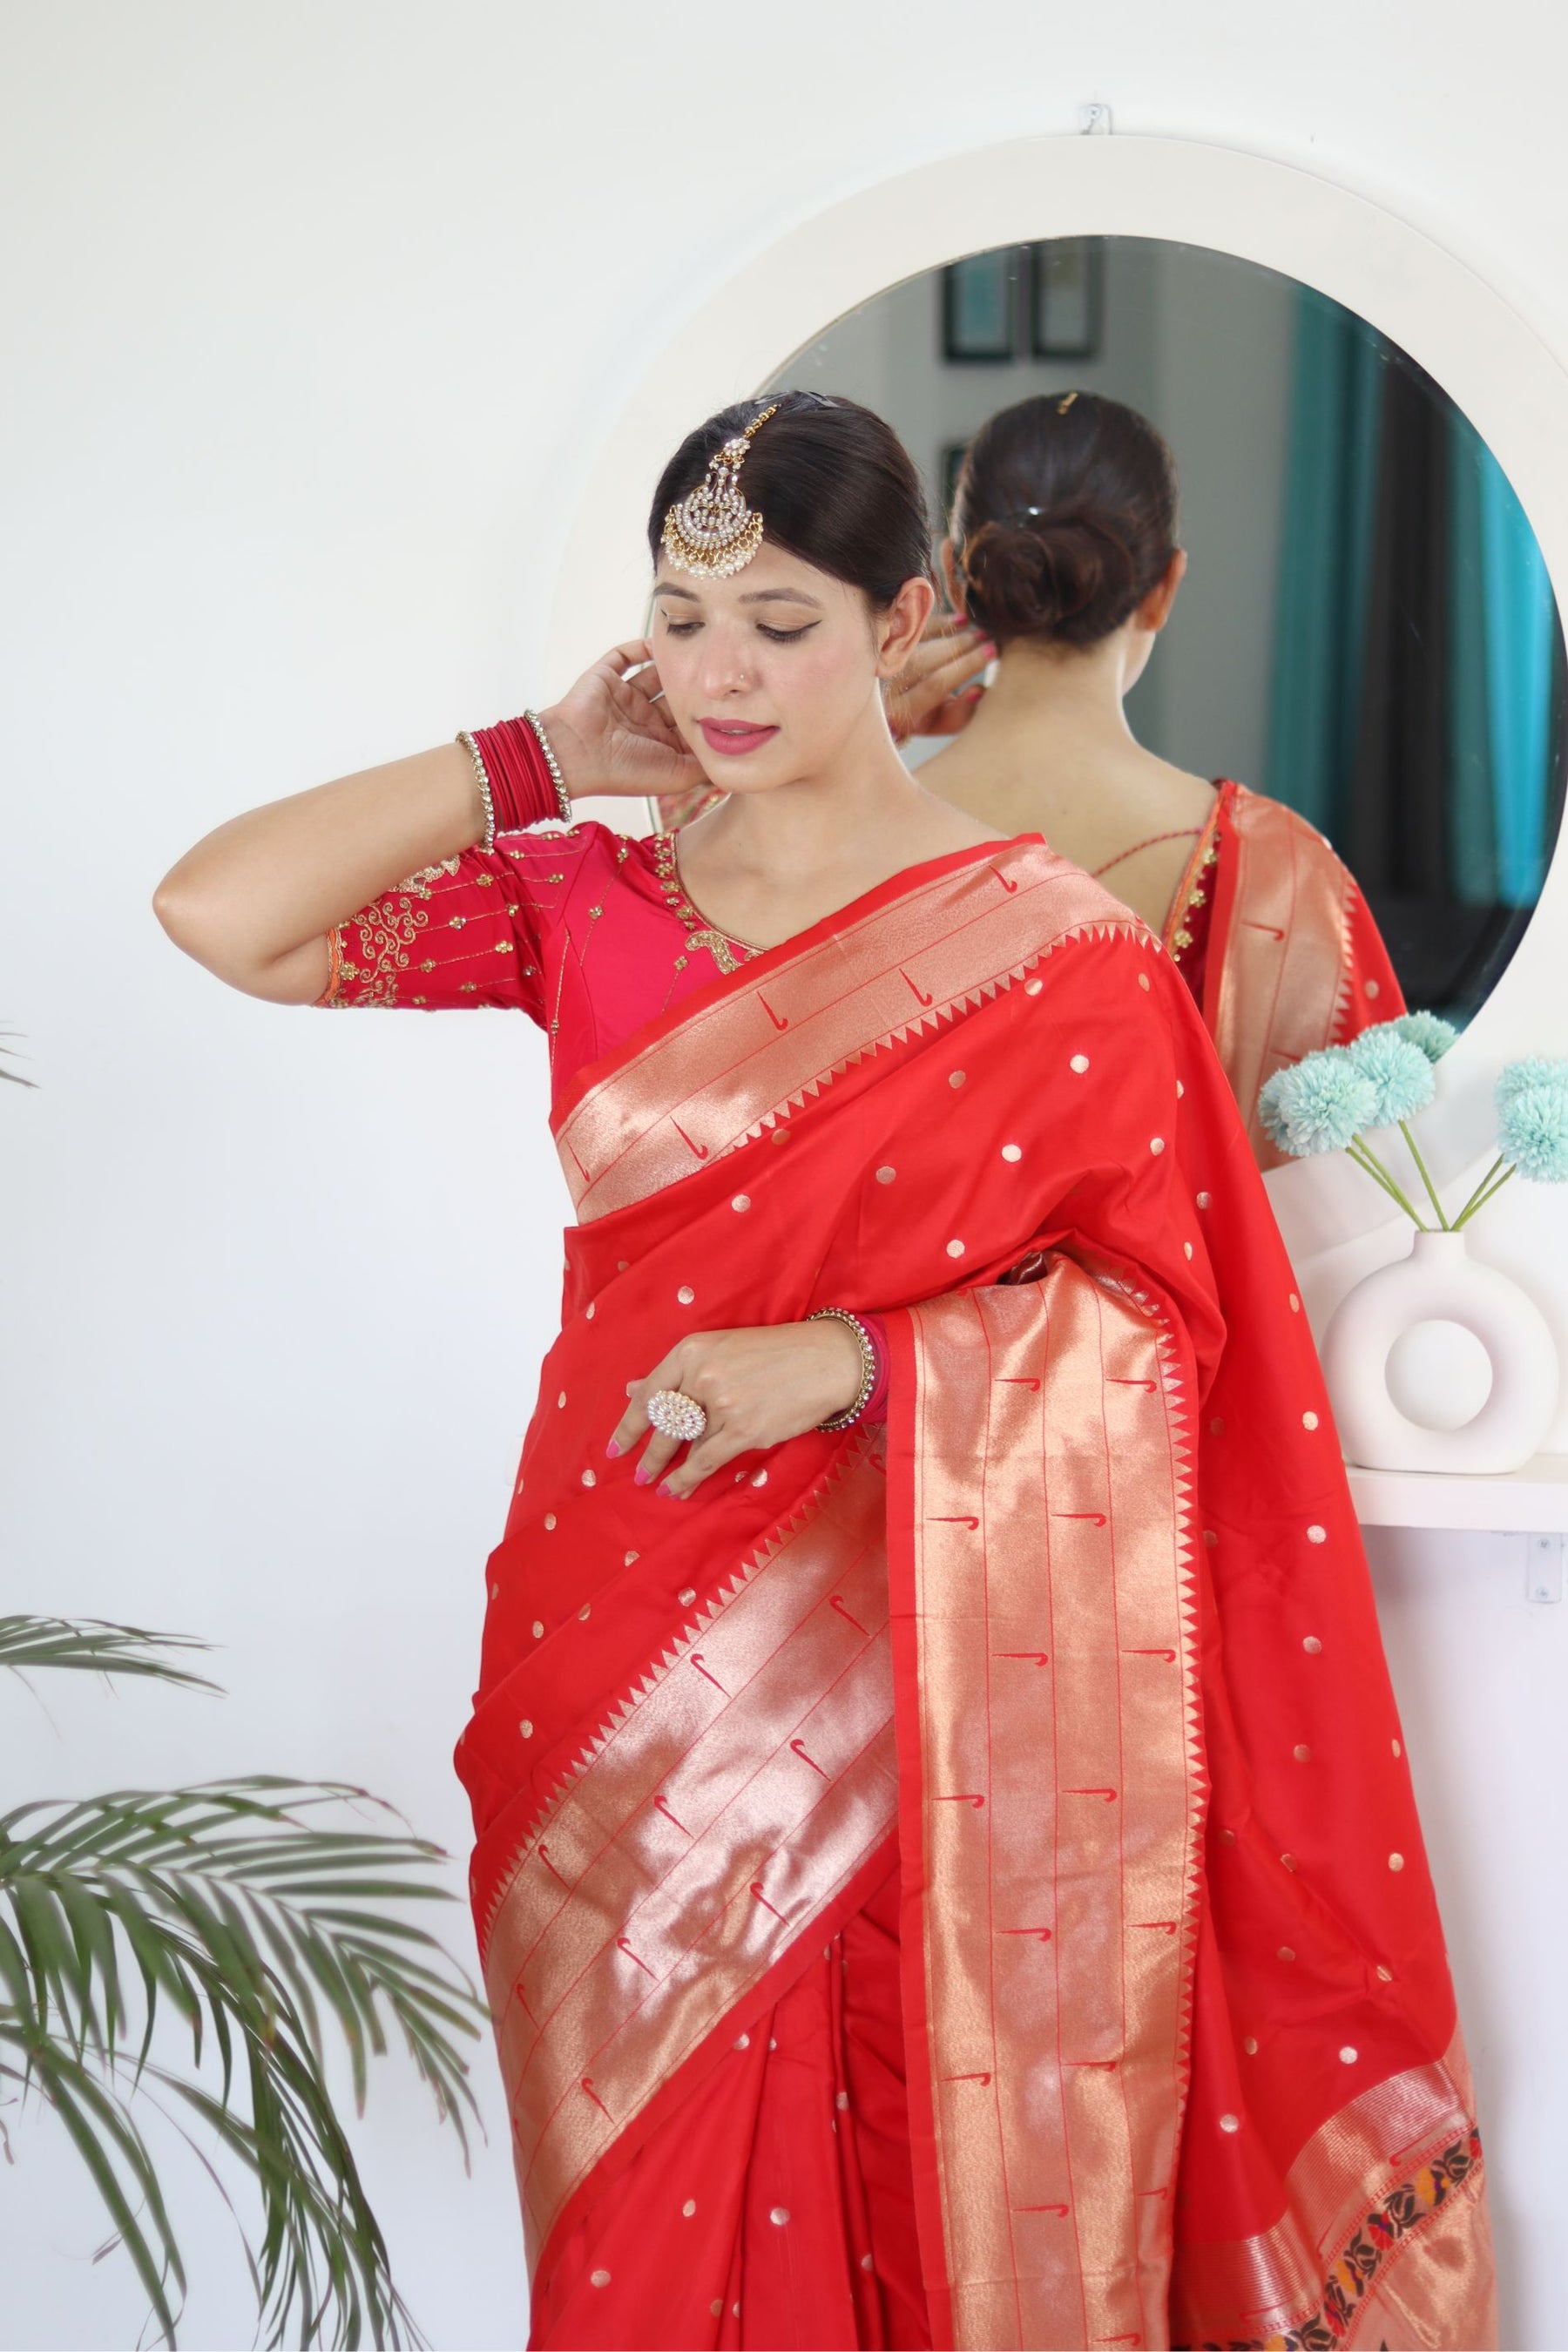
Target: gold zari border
737,1792
1061,1802
780,1030
1286,962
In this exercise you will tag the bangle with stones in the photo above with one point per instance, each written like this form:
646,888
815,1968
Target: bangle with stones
847,1419
481,777
551,762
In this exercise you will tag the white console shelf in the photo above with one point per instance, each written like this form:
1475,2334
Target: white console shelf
1531,1501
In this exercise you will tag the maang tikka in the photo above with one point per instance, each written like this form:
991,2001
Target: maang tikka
712,532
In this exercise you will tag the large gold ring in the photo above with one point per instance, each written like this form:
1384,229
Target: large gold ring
675,1414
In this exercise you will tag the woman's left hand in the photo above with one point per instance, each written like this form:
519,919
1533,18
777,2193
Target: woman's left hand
937,692
757,1387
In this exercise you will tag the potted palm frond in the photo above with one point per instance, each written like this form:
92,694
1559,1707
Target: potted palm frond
250,1916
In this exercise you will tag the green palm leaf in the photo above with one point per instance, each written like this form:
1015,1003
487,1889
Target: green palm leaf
249,1913
93,1647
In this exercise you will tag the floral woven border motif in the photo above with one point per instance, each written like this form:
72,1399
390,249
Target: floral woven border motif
1353,2275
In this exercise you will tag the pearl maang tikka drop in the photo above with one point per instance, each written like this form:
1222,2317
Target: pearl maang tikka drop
712,532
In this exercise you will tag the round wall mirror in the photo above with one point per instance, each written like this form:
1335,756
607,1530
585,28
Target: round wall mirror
1366,631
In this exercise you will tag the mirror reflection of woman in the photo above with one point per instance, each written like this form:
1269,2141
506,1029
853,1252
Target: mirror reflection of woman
1064,552
891,1810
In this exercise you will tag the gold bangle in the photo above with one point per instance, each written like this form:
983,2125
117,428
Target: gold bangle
852,1413
563,796
481,778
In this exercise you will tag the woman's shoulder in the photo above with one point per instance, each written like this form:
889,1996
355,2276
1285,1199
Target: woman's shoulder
1255,814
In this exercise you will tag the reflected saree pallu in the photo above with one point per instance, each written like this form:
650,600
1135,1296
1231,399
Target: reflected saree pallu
1082,1644
1295,960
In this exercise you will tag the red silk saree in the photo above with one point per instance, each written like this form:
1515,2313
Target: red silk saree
959,1883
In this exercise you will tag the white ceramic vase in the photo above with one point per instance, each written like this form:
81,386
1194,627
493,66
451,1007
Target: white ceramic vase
1440,1282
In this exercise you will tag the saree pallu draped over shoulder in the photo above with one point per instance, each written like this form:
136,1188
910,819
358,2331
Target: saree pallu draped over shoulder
1081,1647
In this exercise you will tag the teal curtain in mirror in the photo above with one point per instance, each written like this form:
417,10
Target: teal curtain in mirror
1491,681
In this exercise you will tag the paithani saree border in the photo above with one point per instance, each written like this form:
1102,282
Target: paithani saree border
1045,1644
1282,930
781,1029
732,1796
1384,2213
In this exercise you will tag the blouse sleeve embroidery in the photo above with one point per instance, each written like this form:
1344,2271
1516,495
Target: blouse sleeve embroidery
460,933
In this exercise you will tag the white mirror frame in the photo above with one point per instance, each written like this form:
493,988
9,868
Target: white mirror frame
1485,356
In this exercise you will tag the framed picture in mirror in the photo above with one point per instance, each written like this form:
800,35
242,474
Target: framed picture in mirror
1067,298
980,307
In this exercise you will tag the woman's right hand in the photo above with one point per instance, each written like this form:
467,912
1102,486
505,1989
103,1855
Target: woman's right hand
938,689
612,732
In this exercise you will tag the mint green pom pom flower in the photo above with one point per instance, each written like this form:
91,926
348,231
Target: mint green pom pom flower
1398,1070
1533,1130
1319,1104
1531,1071
1427,1030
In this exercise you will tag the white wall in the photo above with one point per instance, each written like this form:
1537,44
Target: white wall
313,313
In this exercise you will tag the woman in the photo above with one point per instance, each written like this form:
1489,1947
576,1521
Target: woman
1064,553
945,1871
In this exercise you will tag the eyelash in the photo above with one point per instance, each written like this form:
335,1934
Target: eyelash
778,636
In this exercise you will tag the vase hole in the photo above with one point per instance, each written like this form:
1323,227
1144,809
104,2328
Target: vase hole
1439,1375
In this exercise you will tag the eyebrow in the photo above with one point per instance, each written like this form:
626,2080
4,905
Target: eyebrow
759,596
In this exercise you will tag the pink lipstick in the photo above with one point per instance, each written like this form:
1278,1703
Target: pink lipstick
730,736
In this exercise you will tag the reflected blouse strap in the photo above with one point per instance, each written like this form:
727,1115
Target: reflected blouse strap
515,762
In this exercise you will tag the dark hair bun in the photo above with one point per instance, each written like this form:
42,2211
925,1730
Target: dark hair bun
833,483
1064,519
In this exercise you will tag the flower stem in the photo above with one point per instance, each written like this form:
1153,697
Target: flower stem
1425,1178
1482,1189
1480,1199
1364,1157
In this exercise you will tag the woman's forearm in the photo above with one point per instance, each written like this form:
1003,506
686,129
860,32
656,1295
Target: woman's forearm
255,900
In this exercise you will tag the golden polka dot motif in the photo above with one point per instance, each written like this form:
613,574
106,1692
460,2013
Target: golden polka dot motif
1349,2054
1143,979
1226,2123
686,1595
550,1519
598,2278
1187,1249
886,1175
1386,1976
1309,1420
1295,1304
1012,1152
956,1077
865,2262
561,1400
1033,987
955,1249
742,2042
1286,1953
1396,1747
495,1592
842,2100
1289,1860
590,1478
1311,1645
741,1204
1156,1144
526,1727
716,2310
1250,2045
630,1557
1205,1199
779,2216
539,1629
1078,1064
1302,1754
685,1295
1317,1535
1396,1862
689,2208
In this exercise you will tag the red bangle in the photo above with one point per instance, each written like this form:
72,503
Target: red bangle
521,782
